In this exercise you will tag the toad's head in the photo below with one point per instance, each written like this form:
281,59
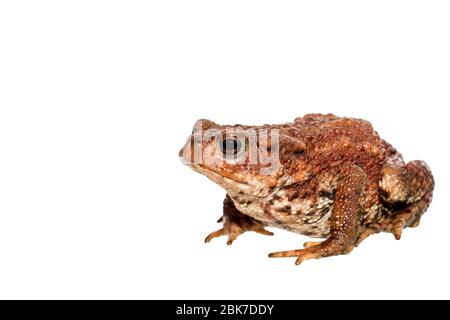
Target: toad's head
246,160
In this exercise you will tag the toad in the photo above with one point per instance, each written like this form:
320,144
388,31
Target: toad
321,176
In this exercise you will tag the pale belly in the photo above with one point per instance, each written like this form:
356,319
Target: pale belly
305,217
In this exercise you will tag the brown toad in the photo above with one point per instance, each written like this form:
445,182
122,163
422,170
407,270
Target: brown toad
322,176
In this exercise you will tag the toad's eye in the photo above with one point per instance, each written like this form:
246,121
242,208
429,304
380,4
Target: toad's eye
231,146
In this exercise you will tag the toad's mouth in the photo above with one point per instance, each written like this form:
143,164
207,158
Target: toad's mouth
217,176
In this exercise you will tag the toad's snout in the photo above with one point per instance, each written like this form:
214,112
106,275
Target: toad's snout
192,147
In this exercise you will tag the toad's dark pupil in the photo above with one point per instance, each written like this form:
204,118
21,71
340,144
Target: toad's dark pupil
231,146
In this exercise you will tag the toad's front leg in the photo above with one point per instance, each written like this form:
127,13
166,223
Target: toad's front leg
235,223
344,221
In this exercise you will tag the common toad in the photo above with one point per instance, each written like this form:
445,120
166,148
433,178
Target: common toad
322,176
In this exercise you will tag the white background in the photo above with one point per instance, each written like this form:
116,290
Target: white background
97,97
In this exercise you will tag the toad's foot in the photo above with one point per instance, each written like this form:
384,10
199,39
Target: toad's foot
310,244
235,224
314,250
394,224
409,217
234,230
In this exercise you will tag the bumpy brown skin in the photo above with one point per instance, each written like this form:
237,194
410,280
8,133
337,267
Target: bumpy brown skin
337,180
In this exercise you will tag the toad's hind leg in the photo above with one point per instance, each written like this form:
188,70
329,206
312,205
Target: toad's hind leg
345,219
410,190
421,184
235,223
